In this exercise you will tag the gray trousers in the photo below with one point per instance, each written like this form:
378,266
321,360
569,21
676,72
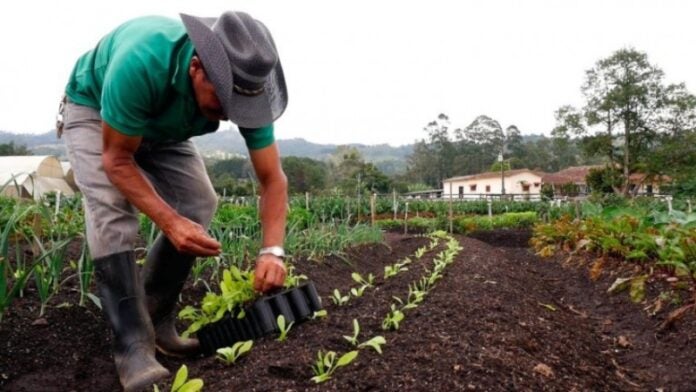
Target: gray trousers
175,169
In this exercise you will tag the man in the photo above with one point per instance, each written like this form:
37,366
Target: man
132,103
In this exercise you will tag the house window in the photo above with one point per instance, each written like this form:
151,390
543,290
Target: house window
525,187
461,192
488,188
536,185
472,188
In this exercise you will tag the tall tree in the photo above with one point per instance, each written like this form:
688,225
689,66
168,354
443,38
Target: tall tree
627,112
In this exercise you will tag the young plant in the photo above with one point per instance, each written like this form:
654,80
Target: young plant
393,270
283,329
293,280
339,299
369,282
357,292
229,355
394,317
353,340
420,252
180,383
376,343
326,364
319,314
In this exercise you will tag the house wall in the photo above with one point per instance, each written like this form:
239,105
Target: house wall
492,185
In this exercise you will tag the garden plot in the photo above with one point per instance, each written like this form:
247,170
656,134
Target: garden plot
498,319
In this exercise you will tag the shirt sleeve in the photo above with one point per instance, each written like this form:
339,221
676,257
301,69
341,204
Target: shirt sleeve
126,96
258,138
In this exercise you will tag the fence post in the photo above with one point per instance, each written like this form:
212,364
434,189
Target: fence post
688,202
394,205
669,203
406,219
451,215
306,200
372,208
490,208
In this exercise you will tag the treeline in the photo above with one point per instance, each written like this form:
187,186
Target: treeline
345,172
632,121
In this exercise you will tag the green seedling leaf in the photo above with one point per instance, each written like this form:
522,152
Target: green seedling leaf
376,343
347,358
194,385
548,306
353,340
319,314
282,328
180,378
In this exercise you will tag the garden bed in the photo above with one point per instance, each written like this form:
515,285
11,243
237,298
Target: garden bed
499,319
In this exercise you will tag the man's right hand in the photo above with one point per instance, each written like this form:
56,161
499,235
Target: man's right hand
191,238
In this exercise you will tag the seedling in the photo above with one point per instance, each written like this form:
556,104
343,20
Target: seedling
393,319
327,364
393,270
376,343
339,299
353,340
181,384
293,280
357,292
319,314
369,282
419,253
229,355
283,329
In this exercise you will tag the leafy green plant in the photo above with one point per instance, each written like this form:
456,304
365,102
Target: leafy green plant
229,355
393,270
283,328
375,343
319,314
369,282
182,384
353,340
326,364
339,299
393,319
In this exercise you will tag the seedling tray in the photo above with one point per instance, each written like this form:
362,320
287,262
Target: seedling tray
296,305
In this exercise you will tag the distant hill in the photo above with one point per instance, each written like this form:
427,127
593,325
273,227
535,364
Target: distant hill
229,142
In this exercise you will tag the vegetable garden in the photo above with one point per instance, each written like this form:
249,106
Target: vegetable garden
603,299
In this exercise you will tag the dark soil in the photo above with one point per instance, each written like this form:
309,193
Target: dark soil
501,319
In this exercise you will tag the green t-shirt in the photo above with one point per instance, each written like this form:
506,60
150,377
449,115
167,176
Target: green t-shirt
137,76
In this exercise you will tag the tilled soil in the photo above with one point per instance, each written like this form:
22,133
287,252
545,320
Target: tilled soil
501,319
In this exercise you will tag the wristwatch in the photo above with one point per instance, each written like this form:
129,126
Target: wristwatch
276,251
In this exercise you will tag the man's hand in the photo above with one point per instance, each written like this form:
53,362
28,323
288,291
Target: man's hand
189,237
269,273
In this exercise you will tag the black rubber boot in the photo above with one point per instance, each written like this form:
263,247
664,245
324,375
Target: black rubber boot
123,302
164,276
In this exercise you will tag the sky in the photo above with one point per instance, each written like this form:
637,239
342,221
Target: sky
374,71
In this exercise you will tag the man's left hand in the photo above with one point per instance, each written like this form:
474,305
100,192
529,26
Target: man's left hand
269,273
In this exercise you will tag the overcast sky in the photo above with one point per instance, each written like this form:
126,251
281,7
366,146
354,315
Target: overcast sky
374,71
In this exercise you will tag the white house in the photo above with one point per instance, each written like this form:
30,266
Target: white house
522,183
32,176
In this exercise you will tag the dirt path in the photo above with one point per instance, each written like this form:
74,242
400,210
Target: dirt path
500,319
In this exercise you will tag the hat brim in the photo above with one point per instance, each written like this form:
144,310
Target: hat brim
245,111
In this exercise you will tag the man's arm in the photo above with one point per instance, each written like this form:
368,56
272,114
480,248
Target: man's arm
119,165
270,270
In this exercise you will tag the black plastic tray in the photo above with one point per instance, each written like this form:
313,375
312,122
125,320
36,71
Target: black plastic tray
296,305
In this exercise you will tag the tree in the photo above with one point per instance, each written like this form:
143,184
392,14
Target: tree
9,149
628,115
305,174
432,158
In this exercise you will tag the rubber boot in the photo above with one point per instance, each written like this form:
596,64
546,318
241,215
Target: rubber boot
123,302
164,276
